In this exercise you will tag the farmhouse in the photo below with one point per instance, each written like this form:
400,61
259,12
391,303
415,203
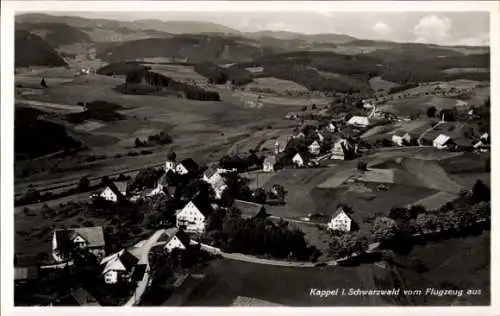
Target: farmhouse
314,148
213,176
359,121
192,218
118,267
269,162
187,166
179,240
90,238
340,221
341,149
331,128
442,142
115,191
281,143
297,160
401,138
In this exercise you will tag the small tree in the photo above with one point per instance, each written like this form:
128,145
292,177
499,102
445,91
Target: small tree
481,192
384,229
83,184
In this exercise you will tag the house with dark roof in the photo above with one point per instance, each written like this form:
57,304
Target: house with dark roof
119,267
192,216
187,166
115,191
89,238
214,177
250,208
180,240
340,221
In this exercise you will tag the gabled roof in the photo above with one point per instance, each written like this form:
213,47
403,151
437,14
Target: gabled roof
270,160
297,155
442,139
210,172
94,236
248,208
282,141
204,209
339,211
190,165
84,298
359,120
182,236
315,144
118,188
121,261
25,273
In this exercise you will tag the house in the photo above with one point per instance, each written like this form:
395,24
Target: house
24,275
442,142
485,138
281,143
340,221
214,177
192,218
269,162
331,128
401,138
341,149
250,208
165,184
79,297
187,166
89,238
179,240
297,160
118,267
359,121
115,191
314,148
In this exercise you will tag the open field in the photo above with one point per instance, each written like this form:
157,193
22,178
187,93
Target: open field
178,72
277,85
417,105
462,70
437,200
225,280
52,107
377,83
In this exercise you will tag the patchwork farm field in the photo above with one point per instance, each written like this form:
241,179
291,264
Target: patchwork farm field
277,85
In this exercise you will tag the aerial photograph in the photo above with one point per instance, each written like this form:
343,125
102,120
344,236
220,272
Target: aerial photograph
223,159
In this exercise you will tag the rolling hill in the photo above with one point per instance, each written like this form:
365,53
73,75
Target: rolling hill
32,50
188,48
56,34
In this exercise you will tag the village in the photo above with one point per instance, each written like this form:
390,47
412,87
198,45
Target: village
200,193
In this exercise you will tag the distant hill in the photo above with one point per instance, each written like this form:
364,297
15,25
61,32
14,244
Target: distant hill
56,34
311,38
32,50
188,48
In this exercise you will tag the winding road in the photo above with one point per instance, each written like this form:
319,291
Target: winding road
142,251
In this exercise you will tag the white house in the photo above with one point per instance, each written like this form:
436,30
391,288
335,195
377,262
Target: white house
179,240
297,160
314,148
214,177
191,218
169,165
340,149
359,121
442,141
114,191
331,128
281,143
90,238
269,162
401,138
119,267
186,166
340,221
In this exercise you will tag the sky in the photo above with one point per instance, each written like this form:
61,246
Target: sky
445,28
